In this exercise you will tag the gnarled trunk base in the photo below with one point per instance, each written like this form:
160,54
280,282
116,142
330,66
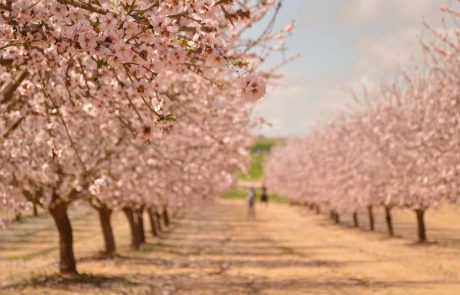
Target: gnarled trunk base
67,263
421,229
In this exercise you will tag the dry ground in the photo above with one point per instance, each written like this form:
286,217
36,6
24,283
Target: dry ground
288,250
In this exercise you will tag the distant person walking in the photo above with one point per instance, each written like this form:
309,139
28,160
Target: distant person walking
264,195
251,203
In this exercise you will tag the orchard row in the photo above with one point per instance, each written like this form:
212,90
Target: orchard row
397,148
126,105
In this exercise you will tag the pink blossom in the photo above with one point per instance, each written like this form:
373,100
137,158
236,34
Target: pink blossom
252,87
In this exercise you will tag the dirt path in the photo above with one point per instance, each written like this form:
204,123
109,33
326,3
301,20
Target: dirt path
217,251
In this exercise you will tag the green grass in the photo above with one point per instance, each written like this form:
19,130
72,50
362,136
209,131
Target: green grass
235,194
240,194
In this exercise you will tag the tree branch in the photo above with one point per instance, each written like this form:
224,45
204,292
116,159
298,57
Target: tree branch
85,6
7,91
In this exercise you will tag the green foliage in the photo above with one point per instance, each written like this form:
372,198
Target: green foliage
259,153
170,117
264,145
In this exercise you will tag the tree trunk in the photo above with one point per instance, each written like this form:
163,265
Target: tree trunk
135,237
165,217
389,221
153,224
158,221
140,224
336,217
67,263
318,209
420,213
35,209
355,219
332,214
105,214
371,218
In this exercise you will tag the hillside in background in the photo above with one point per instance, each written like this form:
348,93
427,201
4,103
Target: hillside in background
255,175
259,153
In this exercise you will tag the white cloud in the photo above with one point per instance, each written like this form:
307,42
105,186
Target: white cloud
380,53
371,11
348,43
296,108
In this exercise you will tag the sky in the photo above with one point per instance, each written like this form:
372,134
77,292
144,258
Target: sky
342,44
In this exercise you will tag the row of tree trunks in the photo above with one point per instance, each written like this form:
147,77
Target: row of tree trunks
136,222
419,213
67,263
136,239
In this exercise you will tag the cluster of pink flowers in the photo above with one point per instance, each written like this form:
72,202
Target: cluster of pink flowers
399,148
126,105
75,52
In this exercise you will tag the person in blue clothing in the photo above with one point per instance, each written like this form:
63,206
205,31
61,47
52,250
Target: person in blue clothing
251,203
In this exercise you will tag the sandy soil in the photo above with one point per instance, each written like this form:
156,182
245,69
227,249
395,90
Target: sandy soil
287,250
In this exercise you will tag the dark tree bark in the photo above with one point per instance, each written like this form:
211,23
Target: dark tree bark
334,216
158,220
35,209
153,224
420,213
165,216
135,237
105,214
371,218
318,209
389,221
355,219
140,224
67,263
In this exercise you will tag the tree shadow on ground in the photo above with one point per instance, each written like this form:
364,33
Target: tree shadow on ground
81,281
242,263
222,283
